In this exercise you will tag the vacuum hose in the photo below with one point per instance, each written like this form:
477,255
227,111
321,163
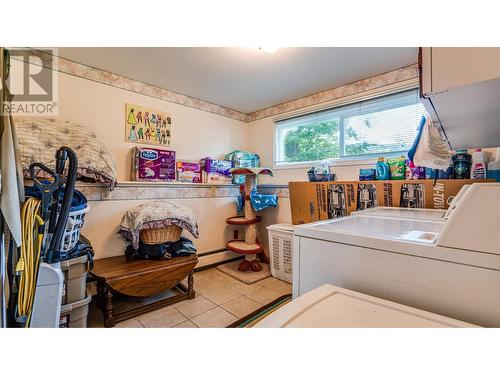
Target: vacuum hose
62,154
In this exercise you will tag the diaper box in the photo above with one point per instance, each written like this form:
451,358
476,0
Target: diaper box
216,171
153,164
188,171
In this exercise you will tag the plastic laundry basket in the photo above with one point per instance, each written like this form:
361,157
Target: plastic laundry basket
73,227
74,315
281,250
75,279
72,232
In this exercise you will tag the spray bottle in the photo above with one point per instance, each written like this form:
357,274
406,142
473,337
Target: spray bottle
478,168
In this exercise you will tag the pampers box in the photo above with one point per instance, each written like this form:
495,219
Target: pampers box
153,164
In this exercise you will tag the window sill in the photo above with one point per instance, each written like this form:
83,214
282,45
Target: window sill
336,163
345,162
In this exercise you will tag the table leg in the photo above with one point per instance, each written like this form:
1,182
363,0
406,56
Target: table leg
191,293
108,307
100,294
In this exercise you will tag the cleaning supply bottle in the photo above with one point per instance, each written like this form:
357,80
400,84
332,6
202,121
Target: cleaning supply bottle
461,164
494,167
478,168
382,170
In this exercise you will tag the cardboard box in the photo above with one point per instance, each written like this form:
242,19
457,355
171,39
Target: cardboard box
403,193
215,171
367,195
314,201
188,171
152,164
419,193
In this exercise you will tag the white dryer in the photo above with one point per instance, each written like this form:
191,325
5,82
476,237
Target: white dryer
449,267
332,307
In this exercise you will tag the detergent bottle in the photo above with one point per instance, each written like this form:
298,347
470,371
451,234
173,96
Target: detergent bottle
461,164
478,168
494,167
382,170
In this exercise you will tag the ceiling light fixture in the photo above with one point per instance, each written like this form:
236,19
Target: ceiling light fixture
269,49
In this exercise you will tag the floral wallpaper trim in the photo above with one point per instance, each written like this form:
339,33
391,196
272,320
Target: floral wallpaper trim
95,192
376,82
115,80
280,191
102,193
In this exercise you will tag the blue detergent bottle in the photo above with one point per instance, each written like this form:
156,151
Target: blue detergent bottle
494,167
382,170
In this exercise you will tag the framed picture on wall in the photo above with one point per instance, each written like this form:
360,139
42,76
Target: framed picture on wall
147,126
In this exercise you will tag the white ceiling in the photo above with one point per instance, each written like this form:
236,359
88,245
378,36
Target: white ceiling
244,79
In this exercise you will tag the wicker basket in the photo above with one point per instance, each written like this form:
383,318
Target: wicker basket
155,236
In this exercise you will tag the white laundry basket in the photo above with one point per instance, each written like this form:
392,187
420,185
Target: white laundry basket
280,250
72,232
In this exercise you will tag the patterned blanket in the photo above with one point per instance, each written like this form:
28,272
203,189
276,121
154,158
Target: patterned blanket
158,214
39,138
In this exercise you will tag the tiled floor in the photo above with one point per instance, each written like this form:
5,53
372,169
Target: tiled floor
220,300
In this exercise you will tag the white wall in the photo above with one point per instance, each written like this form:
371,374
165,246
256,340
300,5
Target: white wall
195,134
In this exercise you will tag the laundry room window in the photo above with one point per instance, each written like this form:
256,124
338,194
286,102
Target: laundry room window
385,125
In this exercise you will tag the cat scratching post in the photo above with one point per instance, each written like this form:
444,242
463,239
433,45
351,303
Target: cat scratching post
250,247
251,232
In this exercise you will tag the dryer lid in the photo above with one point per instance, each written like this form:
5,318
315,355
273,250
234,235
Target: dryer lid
333,307
472,221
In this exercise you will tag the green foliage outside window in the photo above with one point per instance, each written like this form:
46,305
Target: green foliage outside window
319,141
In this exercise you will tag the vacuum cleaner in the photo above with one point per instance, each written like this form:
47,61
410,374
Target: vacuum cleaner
49,218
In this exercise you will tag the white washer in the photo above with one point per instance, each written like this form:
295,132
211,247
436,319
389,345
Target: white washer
449,267
413,213
404,213
332,307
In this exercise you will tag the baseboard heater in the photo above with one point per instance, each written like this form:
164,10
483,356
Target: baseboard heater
215,257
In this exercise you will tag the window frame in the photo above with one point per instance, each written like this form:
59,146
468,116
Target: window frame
367,159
